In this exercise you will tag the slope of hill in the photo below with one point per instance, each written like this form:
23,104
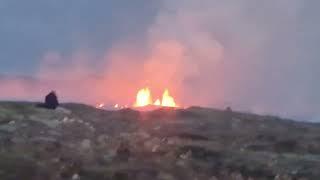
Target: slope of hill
81,142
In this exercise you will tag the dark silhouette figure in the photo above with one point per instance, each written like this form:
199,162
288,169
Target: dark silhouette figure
51,100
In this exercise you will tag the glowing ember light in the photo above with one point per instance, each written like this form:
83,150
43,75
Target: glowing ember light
167,100
157,103
144,98
101,105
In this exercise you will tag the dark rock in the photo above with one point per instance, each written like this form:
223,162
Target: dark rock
120,176
135,174
283,146
259,147
228,109
228,113
266,137
201,153
14,168
194,137
70,168
123,152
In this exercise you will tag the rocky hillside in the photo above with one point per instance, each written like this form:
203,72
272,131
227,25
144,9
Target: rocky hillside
81,142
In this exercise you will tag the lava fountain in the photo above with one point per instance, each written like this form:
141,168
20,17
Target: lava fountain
144,98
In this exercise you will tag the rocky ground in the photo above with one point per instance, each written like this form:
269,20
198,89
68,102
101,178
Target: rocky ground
81,142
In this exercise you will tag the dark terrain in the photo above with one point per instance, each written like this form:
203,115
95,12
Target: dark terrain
81,142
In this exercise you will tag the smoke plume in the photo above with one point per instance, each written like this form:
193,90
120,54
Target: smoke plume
253,56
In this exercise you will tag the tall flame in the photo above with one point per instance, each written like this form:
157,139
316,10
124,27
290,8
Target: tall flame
144,98
167,100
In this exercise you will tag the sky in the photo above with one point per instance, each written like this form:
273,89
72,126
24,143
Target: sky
254,56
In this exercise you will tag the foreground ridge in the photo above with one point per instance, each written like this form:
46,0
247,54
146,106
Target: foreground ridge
77,141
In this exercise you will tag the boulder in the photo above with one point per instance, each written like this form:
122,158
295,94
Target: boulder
123,152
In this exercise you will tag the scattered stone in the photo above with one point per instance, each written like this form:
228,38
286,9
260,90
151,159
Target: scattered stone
120,176
143,135
75,177
213,178
109,156
153,144
64,110
43,139
54,133
50,123
55,160
302,178
123,152
186,155
192,136
65,120
172,141
86,144
237,176
165,176
102,139
125,135
4,121
155,148
8,128
157,128
69,168
18,140
288,145
282,177
181,163
92,128
24,125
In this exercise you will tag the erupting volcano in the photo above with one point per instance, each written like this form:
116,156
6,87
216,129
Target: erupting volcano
144,98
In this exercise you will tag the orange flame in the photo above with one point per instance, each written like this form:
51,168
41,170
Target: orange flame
157,102
167,100
144,98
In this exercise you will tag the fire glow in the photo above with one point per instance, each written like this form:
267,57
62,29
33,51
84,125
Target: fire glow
144,98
